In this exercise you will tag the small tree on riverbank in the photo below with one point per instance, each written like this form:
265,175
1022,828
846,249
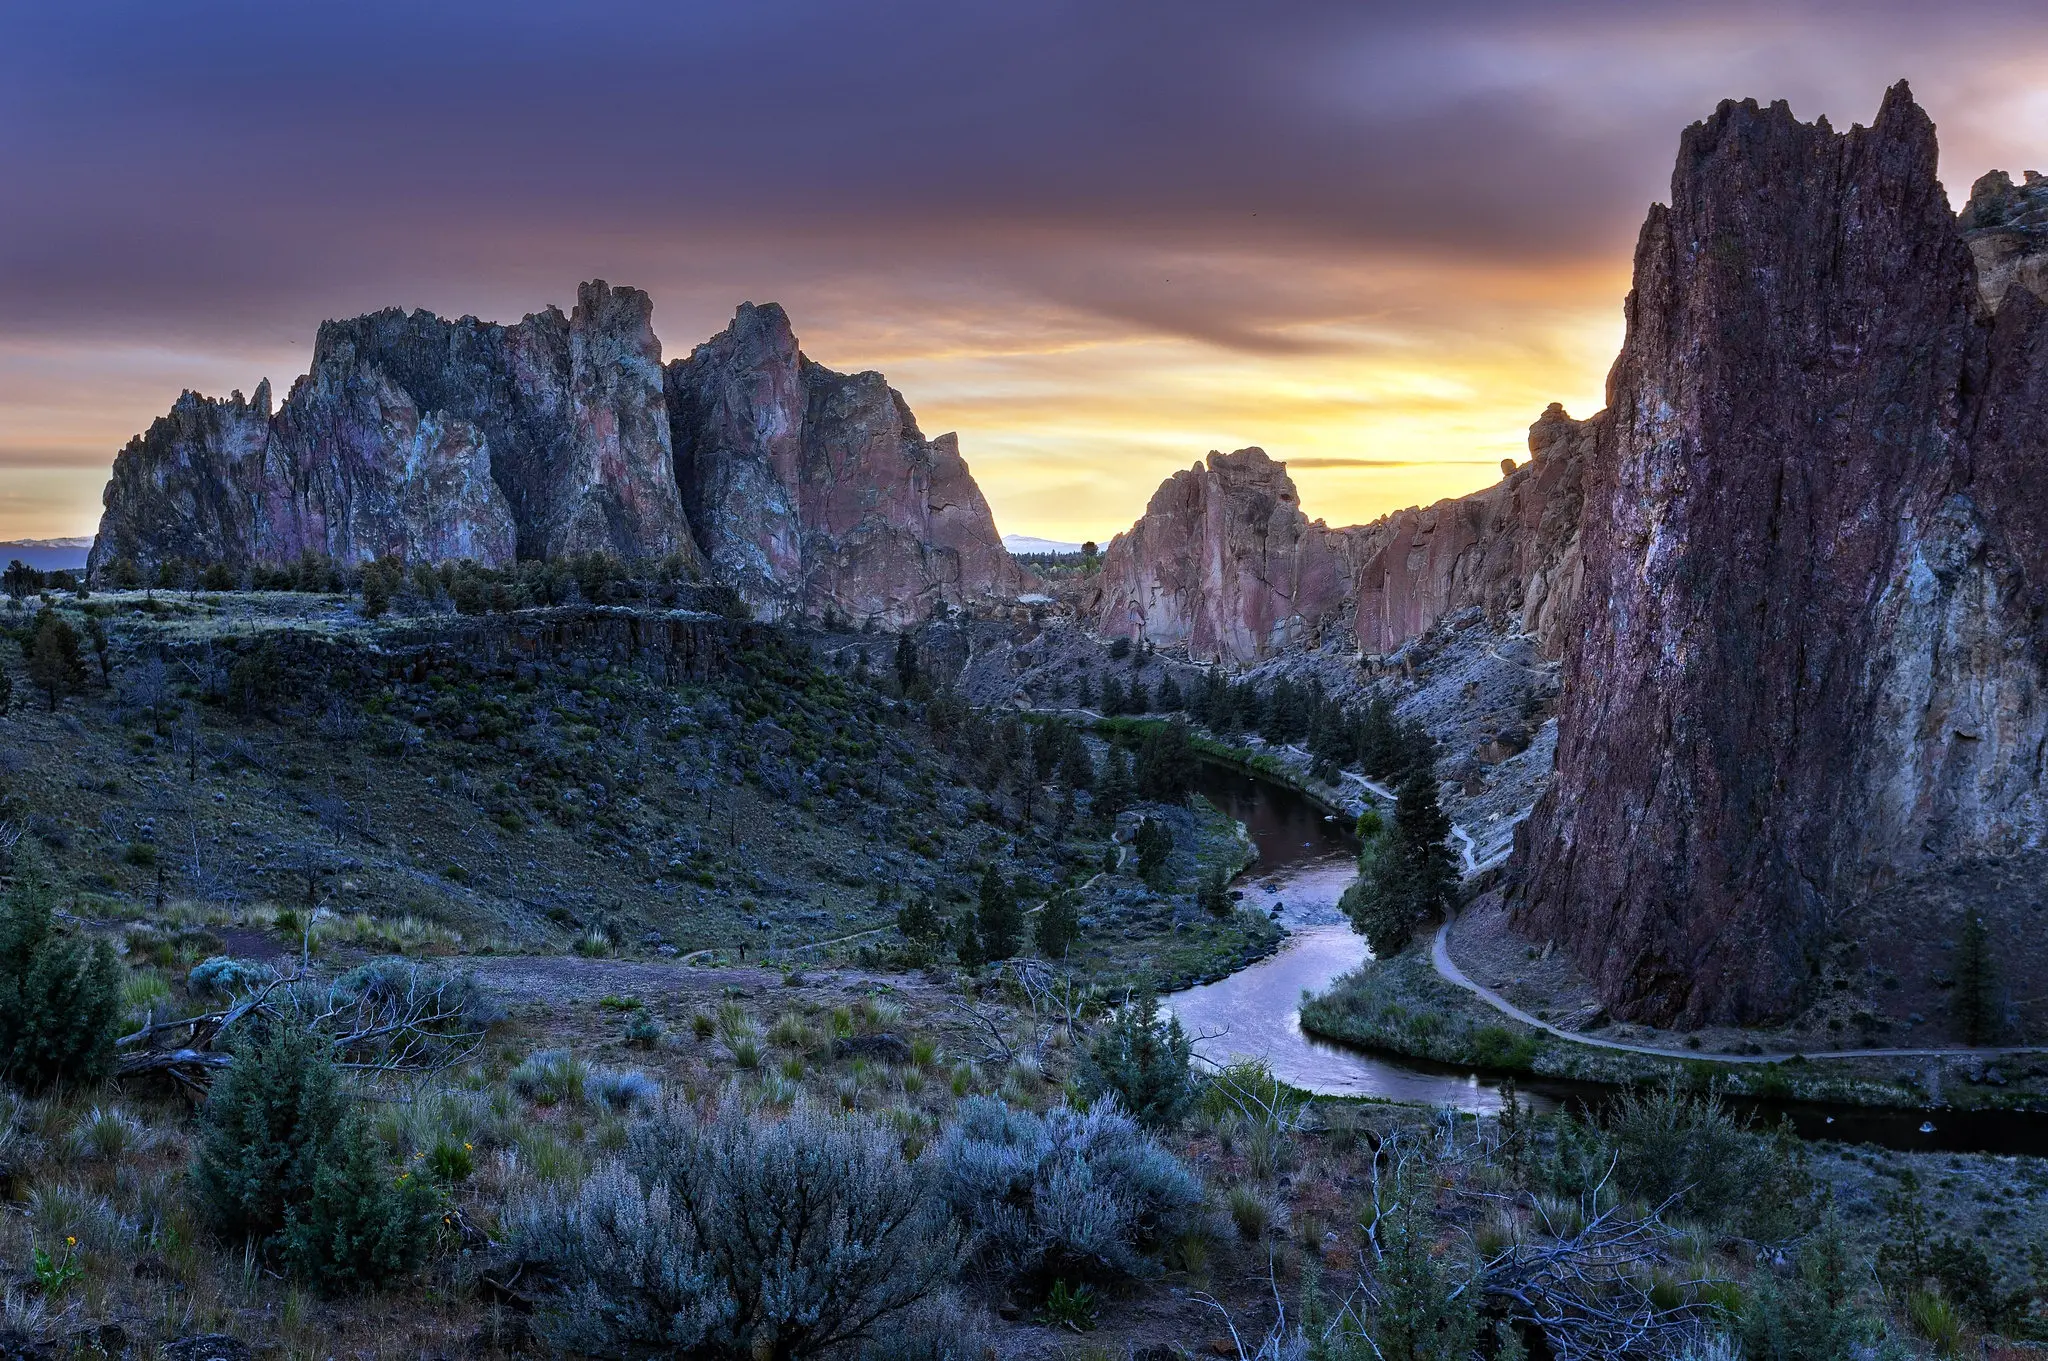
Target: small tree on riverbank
1405,870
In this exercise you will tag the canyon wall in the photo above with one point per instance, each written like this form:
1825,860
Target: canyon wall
1810,658
811,488
1226,566
434,440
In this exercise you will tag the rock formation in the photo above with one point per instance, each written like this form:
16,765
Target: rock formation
1810,659
1224,564
811,488
1512,549
435,440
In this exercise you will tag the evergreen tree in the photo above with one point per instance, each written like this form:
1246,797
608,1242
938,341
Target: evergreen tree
1974,1002
21,580
1170,700
1001,926
1113,792
1154,845
102,647
1405,869
1421,834
263,1131
1144,1061
54,664
1214,898
1112,697
360,1225
919,920
967,942
1166,765
908,674
60,996
1134,698
1058,925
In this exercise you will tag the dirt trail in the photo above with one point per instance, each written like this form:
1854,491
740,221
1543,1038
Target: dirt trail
1448,968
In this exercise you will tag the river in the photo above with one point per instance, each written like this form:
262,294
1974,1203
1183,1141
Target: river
1306,861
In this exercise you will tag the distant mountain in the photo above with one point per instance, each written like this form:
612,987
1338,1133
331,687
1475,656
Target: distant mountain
1025,543
47,555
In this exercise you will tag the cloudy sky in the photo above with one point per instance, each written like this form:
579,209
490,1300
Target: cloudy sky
1096,239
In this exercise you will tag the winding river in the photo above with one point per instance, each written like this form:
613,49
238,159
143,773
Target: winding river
1306,861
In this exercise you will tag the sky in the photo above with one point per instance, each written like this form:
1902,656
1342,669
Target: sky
1095,239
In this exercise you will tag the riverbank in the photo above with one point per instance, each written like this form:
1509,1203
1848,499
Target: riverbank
1404,1006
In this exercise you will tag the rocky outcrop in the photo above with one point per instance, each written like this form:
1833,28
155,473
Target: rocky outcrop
1810,659
2006,227
1511,549
1224,565
434,440
812,489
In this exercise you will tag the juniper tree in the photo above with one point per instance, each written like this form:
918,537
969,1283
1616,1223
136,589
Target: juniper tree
1058,925
998,923
54,664
1974,1002
60,996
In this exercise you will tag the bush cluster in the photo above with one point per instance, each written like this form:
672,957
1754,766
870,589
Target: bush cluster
1078,1196
736,1234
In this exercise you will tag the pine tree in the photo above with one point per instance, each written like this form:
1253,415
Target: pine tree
1166,763
908,674
1113,792
1112,697
1154,845
1170,700
1214,897
263,1131
60,996
54,663
999,924
1422,835
1058,926
1974,1002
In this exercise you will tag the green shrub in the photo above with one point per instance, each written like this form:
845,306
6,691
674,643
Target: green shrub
60,997
263,1130
1812,1316
1143,1061
361,1225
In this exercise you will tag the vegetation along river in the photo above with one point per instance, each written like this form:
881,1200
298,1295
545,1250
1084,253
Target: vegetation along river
1306,861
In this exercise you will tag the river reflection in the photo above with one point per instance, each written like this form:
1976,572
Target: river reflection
1305,864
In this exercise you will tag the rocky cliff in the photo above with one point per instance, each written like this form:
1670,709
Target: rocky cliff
1224,564
1511,549
1810,659
811,488
435,439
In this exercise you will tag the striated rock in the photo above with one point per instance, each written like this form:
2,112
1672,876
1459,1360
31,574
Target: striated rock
813,489
1810,658
1511,549
1224,564
436,440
